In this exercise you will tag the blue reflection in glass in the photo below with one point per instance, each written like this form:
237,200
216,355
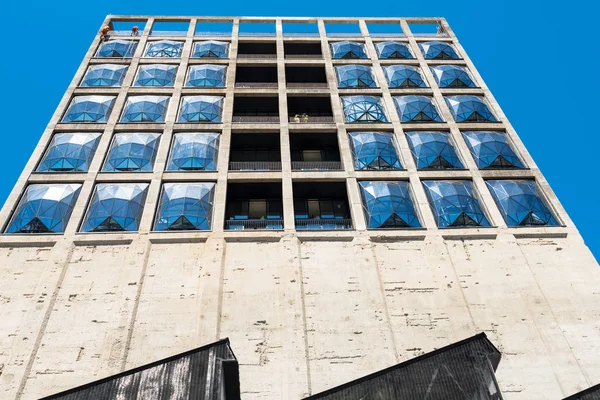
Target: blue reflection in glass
207,75
388,205
390,49
346,49
194,151
156,75
108,75
210,49
363,109
355,76
467,108
164,48
436,50
417,109
433,150
520,203
132,152
201,109
403,76
70,152
491,150
452,76
454,204
89,109
185,207
117,48
145,109
374,151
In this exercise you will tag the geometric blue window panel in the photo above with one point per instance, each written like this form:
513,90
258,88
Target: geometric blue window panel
44,208
201,109
520,203
210,49
454,204
388,205
164,48
468,108
70,152
491,150
185,207
355,76
348,49
438,51
393,50
89,109
194,151
433,150
117,48
417,109
156,75
403,76
363,109
207,75
145,109
132,152
115,207
374,151
452,76
104,75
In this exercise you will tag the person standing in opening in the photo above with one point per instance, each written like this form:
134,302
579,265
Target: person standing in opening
305,117
297,118
135,31
104,33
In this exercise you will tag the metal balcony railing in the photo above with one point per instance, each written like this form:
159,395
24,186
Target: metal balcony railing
269,34
255,165
257,56
319,224
387,34
243,85
317,166
305,56
123,33
344,34
306,85
255,119
307,34
312,120
212,33
254,224
430,34
168,33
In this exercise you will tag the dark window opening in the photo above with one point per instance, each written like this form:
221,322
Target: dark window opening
255,152
315,151
256,77
302,50
254,206
310,109
305,77
257,50
321,206
256,109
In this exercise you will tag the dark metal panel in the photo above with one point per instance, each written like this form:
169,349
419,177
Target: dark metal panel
592,393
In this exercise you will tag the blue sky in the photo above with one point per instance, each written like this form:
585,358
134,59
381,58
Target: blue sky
521,48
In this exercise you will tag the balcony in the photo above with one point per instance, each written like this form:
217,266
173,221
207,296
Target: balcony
256,77
254,224
256,109
315,152
321,206
255,165
255,152
257,50
317,166
322,224
305,77
310,51
311,119
255,206
310,110
256,119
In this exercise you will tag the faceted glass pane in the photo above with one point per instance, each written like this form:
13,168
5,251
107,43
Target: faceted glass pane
208,75
185,207
132,152
403,76
104,75
117,48
520,203
164,48
454,204
433,150
388,205
44,208
452,76
374,151
210,49
194,151
363,109
201,109
156,75
145,109
355,76
436,50
348,49
491,150
467,108
115,207
392,49
417,109
70,152
89,109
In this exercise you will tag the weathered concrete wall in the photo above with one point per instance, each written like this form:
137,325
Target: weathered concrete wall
303,314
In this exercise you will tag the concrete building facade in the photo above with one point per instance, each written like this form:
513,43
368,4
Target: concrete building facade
313,284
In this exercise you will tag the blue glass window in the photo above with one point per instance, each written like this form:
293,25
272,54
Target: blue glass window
403,76
391,49
491,150
374,151
156,75
164,48
104,75
439,51
145,109
348,49
70,152
89,109
44,208
210,49
185,207
208,75
132,152
433,150
468,108
194,151
520,203
355,76
201,109
363,109
115,207
388,205
452,76
417,109
117,48
454,204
